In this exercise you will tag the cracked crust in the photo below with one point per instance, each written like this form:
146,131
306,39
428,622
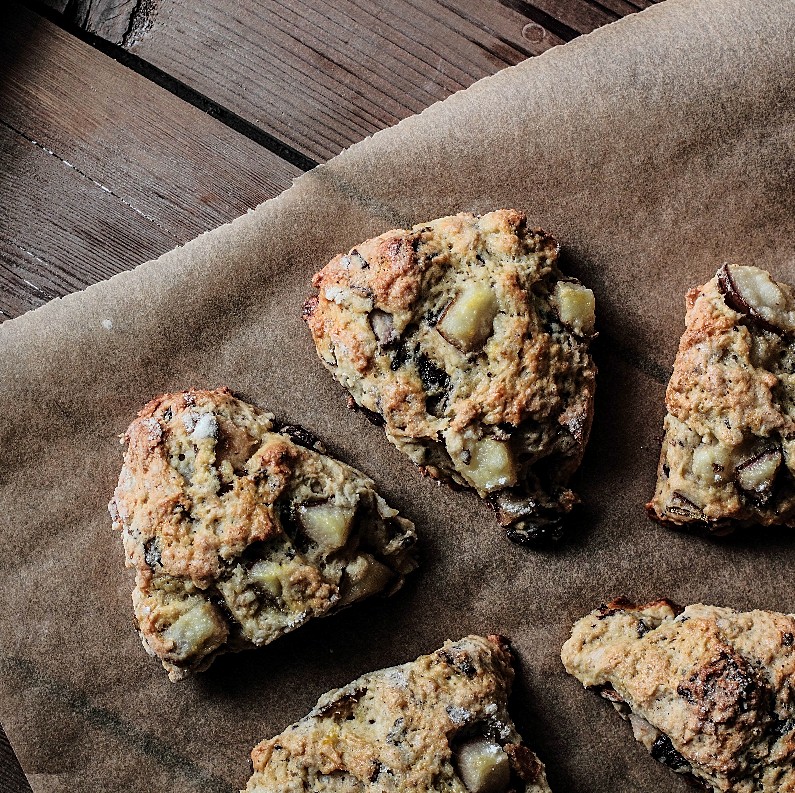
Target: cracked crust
407,728
709,691
462,337
239,530
728,454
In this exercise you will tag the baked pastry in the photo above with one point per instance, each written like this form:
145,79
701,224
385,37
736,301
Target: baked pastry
463,338
707,690
240,530
439,723
728,454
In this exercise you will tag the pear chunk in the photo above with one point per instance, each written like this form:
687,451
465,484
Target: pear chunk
267,575
367,576
751,291
756,476
468,321
195,629
327,524
483,766
711,462
576,306
490,465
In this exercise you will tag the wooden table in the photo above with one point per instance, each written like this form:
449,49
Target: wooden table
128,127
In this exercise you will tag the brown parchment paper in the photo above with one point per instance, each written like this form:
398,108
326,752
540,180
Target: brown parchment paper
655,149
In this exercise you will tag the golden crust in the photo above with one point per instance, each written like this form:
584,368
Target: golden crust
398,729
731,399
377,322
708,690
714,378
209,504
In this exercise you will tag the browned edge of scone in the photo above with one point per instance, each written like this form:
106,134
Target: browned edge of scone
721,527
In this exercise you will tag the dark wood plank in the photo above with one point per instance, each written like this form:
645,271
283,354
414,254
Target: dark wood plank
322,75
117,21
580,16
101,170
12,780
60,230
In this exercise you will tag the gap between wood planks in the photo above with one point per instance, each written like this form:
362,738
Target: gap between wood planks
307,79
92,185
171,84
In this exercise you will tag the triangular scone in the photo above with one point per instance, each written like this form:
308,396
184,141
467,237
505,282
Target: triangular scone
728,455
439,723
240,531
709,691
463,338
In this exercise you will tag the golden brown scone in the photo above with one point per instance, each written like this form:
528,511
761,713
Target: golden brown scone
728,455
464,339
709,691
439,723
240,531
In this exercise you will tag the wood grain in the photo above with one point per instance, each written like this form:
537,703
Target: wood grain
323,75
101,170
112,20
12,780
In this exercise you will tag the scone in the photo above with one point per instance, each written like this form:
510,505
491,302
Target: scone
728,455
240,530
463,338
709,691
439,723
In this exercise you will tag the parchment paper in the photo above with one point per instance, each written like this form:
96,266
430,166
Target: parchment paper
655,149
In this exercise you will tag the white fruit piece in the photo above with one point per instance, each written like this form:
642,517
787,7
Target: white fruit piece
367,576
468,321
483,766
711,463
327,524
752,291
576,306
194,630
268,575
757,474
490,465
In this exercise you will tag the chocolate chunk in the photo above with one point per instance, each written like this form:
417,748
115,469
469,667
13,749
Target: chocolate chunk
663,751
